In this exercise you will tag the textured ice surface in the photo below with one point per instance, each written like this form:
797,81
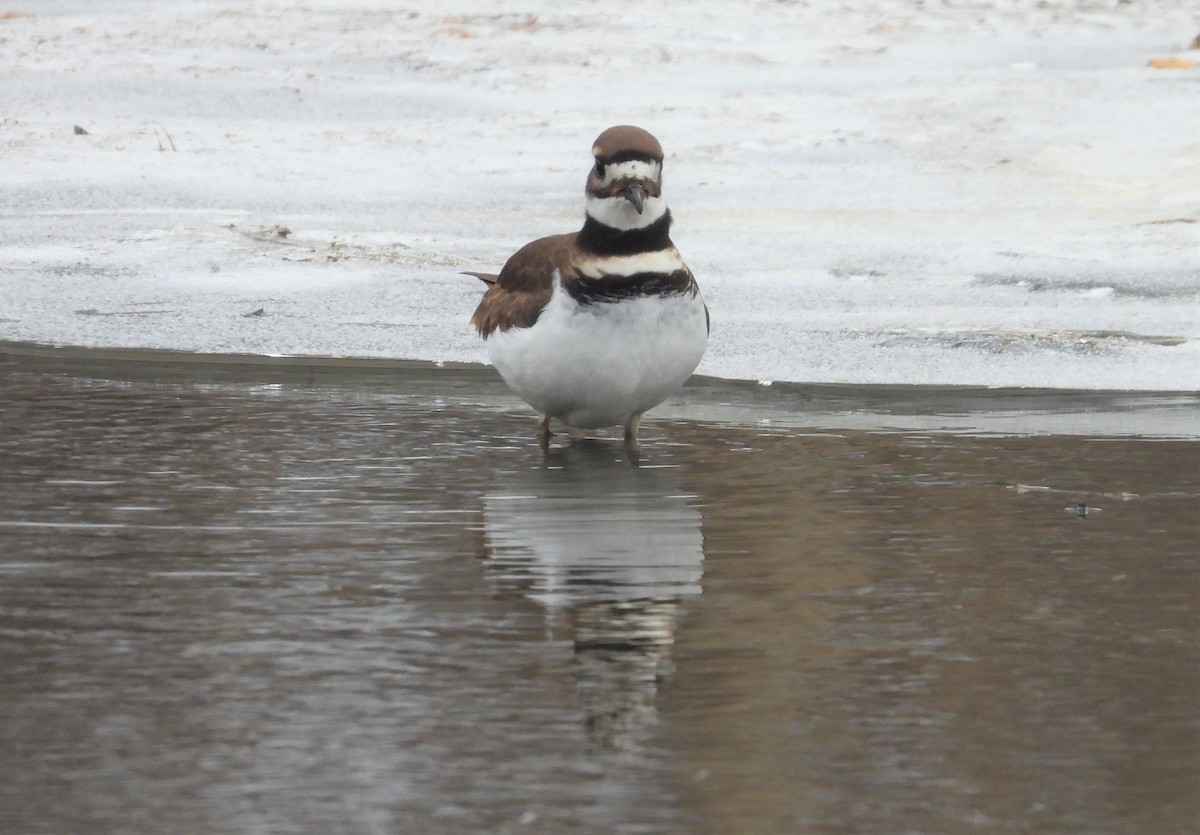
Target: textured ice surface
982,192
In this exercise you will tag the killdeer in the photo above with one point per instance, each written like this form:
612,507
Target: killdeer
594,327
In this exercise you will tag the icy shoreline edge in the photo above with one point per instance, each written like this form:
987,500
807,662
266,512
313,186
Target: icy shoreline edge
781,405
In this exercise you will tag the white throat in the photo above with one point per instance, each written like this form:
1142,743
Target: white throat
618,213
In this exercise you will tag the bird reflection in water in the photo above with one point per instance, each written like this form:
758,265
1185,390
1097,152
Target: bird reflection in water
609,546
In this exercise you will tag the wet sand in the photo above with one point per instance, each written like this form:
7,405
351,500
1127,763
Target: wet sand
310,596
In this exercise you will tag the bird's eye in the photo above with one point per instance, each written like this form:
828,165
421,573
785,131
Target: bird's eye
599,168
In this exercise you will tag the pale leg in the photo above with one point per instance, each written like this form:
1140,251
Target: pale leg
631,428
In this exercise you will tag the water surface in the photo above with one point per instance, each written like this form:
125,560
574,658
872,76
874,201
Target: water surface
329,605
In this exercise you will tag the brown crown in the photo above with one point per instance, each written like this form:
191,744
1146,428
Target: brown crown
626,141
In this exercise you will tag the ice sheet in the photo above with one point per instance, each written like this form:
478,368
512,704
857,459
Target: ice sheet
989,193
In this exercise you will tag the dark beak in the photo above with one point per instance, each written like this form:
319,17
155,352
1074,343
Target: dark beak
635,194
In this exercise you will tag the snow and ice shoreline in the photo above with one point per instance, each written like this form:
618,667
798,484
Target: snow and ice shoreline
981,193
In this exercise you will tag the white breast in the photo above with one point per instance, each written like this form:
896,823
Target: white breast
599,364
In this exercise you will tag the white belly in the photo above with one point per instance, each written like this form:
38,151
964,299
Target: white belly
600,364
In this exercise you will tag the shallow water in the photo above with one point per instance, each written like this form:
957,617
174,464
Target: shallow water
320,606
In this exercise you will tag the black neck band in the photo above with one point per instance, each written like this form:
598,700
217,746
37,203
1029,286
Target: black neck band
605,240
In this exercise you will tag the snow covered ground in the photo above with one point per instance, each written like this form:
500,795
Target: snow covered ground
996,193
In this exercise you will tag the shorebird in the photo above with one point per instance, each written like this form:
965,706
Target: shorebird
595,327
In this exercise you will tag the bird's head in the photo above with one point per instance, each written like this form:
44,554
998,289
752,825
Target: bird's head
624,187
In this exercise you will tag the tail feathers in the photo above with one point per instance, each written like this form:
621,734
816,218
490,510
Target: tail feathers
487,278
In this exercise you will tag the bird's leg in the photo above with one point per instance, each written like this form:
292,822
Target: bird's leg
631,428
544,432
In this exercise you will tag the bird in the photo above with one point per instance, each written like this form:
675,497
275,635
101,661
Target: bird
595,327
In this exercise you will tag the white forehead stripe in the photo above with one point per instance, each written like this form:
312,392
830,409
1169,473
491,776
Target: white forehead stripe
664,261
632,169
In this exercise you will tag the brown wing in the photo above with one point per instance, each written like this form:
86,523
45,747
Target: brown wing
523,287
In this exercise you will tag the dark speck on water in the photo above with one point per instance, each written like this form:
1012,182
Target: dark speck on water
240,599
